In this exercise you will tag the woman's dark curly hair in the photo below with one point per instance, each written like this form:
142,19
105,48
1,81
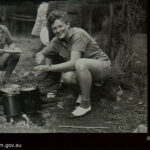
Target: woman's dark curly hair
57,14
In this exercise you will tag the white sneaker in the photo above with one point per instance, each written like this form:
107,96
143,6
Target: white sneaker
79,111
79,99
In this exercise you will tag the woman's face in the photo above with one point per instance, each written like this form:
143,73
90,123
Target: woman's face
60,29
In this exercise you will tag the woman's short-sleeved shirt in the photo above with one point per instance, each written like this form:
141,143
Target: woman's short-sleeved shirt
5,37
78,40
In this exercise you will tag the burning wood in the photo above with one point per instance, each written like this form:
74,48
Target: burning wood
22,121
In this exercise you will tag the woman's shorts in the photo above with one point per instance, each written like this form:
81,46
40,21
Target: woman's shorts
105,67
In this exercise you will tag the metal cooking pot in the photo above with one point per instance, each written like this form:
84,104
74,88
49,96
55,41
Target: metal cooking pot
30,98
12,104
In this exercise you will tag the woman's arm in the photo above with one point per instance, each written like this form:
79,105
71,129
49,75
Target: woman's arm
63,67
67,66
49,49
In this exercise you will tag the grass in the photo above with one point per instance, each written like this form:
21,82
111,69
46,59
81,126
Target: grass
119,116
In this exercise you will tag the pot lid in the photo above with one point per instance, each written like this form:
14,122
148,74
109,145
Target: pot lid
27,87
10,88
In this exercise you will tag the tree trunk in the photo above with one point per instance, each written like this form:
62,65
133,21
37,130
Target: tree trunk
128,25
109,43
90,19
123,7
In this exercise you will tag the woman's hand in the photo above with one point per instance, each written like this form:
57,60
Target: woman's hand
11,46
39,58
42,68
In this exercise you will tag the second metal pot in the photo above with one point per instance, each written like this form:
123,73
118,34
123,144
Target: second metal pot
31,99
12,105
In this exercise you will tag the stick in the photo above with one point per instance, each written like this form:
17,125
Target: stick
82,127
10,51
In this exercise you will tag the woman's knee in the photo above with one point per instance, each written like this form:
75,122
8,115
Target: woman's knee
69,77
80,65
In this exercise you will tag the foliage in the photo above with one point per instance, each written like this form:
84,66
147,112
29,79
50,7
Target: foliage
126,24
129,18
137,15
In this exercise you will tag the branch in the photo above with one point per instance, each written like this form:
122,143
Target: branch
82,127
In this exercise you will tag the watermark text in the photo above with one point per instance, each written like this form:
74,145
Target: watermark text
10,146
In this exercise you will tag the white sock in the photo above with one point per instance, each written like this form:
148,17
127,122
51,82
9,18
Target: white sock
79,99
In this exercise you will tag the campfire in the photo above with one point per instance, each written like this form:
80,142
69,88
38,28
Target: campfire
20,121
18,101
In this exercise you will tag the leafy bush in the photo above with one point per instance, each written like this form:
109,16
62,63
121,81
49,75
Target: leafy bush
128,66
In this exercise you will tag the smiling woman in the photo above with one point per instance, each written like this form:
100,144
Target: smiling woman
60,29
61,25
84,61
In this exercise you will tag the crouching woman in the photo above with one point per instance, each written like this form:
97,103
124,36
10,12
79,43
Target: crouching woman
84,62
8,61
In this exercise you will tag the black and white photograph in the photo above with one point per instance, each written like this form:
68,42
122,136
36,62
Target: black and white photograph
74,66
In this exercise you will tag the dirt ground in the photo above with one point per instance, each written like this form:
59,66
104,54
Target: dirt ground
107,116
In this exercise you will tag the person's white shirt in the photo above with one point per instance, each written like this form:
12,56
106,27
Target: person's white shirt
44,36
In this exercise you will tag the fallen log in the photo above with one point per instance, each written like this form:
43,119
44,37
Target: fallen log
82,127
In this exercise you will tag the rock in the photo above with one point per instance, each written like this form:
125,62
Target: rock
140,103
26,118
141,129
118,99
60,105
20,124
3,120
14,72
120,92
116,107
2,73
130,99
138,62
46,115
25,74
70,96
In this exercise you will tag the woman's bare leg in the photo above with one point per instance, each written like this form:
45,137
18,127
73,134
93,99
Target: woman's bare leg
86,71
